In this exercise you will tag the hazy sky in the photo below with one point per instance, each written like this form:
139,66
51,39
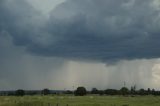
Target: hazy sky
58,44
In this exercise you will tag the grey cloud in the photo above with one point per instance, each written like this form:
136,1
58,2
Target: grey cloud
21,21
103,30
99,30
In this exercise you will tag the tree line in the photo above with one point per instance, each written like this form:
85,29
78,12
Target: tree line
81,91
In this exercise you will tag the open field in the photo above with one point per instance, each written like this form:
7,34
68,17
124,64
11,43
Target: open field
79,101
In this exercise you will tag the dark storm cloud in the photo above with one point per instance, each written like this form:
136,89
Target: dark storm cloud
14,19
104,30
20,20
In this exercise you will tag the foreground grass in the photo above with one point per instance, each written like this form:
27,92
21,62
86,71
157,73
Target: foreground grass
80,101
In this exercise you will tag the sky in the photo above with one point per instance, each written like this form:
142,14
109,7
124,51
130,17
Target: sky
63,44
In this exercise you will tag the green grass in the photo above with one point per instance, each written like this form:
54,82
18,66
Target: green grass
79,101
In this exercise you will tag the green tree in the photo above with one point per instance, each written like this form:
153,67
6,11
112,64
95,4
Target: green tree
124,91
45,91
133,90
81,91
94,91
142,92
111,92
149,91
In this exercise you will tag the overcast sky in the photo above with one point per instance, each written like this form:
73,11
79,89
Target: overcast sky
58,44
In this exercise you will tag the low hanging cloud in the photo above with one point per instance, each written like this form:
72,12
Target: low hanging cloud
103,30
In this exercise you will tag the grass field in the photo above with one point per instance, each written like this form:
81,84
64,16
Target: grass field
79,101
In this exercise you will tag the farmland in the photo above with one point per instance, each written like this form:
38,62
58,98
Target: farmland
69,100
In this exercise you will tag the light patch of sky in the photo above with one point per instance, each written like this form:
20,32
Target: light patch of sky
156,75
156,4
45,6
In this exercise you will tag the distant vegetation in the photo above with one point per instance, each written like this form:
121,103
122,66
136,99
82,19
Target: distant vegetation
81,91
20,92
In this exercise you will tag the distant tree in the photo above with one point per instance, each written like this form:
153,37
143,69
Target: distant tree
68,92
45,91
142,92
101,92
111,92
133,90
124,91
32,93
94,91
149,91
20,92
81,91
153,92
